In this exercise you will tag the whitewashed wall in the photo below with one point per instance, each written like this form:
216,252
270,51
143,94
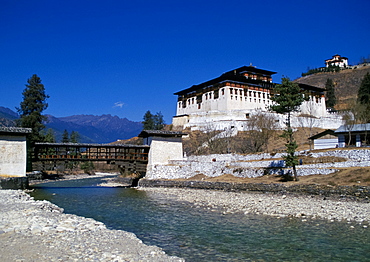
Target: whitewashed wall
162,150
13,156
325,143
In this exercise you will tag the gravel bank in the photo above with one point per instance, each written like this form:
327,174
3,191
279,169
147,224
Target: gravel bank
40,231
361,193
271,204
34,181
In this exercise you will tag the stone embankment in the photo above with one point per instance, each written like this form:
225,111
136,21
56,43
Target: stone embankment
40,231
271,204
256,165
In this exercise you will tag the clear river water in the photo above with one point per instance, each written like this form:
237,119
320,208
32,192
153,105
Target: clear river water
204,235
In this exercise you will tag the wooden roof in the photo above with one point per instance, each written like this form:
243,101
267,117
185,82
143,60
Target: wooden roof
15,130
324,133
235,75
80,145
160,133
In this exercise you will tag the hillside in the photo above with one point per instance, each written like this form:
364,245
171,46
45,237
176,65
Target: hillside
104,128
347,83
7,116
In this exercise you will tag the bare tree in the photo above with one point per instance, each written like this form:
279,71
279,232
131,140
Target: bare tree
209,140
308,120
216,141
261,127
349,122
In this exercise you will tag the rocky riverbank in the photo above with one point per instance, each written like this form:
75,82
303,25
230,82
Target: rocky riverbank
33,180
277,205
359,193
39,231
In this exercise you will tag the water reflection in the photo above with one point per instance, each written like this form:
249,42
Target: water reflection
203,235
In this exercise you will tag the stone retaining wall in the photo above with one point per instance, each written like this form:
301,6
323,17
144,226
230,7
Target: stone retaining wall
250,166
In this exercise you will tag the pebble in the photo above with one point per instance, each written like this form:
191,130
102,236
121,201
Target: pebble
39,231
300,206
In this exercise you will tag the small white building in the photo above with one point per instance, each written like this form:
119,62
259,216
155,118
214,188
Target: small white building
13,157
323,140
337,60
164,146
13,151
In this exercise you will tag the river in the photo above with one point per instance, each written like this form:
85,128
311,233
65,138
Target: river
207,235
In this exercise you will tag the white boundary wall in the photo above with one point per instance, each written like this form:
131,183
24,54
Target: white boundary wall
247,166
222,120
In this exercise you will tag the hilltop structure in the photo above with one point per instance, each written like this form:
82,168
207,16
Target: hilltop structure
230,99
337,60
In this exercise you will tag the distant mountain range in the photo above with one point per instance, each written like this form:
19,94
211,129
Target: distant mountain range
92,129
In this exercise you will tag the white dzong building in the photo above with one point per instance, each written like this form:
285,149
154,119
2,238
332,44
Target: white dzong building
337,60
230,99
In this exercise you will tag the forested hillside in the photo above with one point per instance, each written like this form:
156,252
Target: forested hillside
347,83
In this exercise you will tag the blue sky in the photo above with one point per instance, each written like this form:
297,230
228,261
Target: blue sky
126,57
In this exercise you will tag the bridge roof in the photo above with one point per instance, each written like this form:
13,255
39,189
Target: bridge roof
89,145
15,130
161,133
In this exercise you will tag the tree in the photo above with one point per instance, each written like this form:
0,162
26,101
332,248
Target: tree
214,141
363,98
50,136
349,122
31,108
153,122
148,123
261,127
330,94
74,137
158,121
88,167
365,60
65,136
288,98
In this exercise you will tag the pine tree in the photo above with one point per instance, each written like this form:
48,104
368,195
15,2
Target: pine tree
50,136
363,97
65,136
74,137
31,108
288,98
148,123
331,100
153,122
158,121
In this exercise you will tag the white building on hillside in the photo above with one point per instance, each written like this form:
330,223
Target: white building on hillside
337,60
230,99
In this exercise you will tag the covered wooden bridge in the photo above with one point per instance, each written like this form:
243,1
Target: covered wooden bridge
130,158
